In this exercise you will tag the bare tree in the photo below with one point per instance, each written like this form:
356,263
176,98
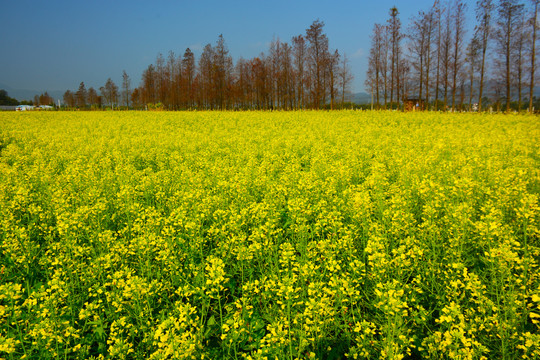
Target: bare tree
222,73
110,92
394,28
520,45
497,91
274,60
287,76
149,95
173,73
509,13
430,21
418,48
318,49
261,82
69,99
376,62
136,98
458,17
299,53
280,67
45,99
482,32
439,36
473,61
404,75
333,64
161,82
385,68
371,80
126,83
243,84
93,98
345,78
188,69
81,96
446,44
534,27
206,71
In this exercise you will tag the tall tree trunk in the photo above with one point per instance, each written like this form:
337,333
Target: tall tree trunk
471,79
482,71
428,64
507,56
533,57
437,76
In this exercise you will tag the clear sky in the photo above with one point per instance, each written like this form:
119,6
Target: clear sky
56,44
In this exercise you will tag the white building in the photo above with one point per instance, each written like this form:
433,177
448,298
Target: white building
24,108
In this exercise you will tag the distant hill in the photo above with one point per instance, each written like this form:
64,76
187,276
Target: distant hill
25,94
361,98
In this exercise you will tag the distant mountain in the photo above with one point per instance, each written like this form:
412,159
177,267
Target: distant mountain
490,85
361,98
25,94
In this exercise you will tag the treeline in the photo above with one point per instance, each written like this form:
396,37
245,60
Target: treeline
6,100
304,73
438,63
42,99
108,95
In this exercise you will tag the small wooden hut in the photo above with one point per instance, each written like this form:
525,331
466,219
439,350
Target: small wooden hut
413,104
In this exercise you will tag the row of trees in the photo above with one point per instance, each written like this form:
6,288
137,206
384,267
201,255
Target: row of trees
433,60
42,99
5,99
302,74
108,95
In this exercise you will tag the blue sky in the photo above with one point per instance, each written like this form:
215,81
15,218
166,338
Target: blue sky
54,45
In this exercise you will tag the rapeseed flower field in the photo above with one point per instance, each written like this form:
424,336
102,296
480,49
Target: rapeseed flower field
269,235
